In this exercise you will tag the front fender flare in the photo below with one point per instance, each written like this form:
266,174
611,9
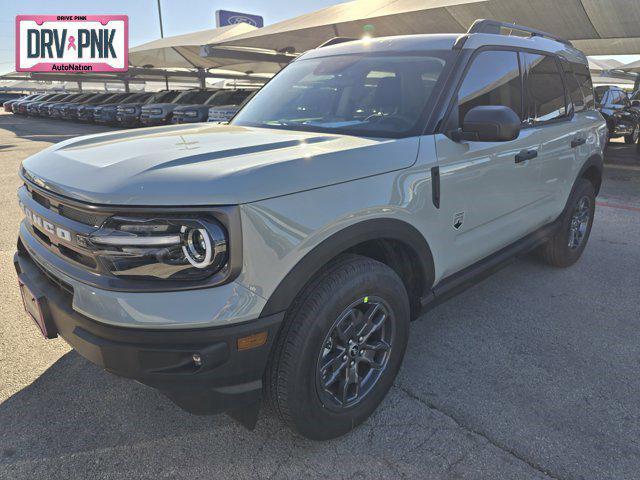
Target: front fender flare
341,241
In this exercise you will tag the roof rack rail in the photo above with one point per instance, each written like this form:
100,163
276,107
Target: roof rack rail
495,27
336,41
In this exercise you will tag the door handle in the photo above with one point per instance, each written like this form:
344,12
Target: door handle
525,155
576,142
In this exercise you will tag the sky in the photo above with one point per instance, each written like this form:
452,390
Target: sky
178,16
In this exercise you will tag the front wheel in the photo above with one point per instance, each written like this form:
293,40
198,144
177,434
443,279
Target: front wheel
566,246
340,348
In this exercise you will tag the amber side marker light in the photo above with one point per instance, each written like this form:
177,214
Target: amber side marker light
252,341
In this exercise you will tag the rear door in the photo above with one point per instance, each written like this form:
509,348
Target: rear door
485,192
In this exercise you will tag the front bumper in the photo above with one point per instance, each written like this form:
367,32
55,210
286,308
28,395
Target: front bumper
85,116
227,380
153,120
128,119
105,118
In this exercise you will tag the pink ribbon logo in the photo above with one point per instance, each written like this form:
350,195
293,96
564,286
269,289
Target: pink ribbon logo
72,43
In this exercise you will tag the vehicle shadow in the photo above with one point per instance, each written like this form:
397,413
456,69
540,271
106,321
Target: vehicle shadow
77,421
75,406
47,130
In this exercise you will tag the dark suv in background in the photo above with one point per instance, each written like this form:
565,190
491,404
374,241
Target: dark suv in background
200,113
32,106
106,114
162,113
70,111
622,115
128,114
85,112
20,107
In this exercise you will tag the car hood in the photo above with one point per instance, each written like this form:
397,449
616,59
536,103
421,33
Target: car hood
164,106
134,105
184,108
208,164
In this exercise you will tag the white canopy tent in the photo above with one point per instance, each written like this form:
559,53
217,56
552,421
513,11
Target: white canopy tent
183,51
598,27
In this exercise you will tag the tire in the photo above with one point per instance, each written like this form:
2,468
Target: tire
311,335
557,251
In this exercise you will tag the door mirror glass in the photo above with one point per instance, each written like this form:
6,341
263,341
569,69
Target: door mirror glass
490,123
635,103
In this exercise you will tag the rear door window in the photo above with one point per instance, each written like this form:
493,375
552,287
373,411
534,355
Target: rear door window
546,99
492,79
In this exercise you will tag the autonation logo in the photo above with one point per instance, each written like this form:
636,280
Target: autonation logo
55,43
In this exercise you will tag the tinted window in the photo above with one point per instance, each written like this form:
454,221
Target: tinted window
193,97
581,72
376,94
492,79
164,97
573,87
545,90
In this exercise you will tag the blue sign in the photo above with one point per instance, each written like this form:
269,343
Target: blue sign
226,17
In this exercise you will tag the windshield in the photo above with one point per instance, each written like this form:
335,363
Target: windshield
229,97
193,97
163,97
374,94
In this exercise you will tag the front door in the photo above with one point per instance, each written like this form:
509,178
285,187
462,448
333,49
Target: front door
487,190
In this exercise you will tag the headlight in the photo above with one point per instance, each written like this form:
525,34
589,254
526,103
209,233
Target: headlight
190,113
129,110
161,248
154,111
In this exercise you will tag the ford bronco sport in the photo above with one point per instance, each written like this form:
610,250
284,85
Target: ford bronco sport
284,255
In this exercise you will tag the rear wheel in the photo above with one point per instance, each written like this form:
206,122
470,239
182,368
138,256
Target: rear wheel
566,246
340,348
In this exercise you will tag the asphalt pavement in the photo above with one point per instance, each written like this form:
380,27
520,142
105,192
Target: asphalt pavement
534,373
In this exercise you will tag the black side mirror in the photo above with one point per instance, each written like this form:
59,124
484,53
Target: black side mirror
490,123
635,103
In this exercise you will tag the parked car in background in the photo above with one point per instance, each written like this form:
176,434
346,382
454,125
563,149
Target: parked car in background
106,114
70,112
55,109
44,108
86,111
161,113
33,107
20,107
6,105
225,113
200,113
128,114
623,118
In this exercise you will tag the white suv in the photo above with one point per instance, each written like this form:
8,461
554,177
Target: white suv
284,255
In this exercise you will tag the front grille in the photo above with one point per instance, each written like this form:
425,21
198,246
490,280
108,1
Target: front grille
81,216
42,200
86,217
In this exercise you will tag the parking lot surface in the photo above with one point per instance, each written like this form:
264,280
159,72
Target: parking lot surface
533,373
